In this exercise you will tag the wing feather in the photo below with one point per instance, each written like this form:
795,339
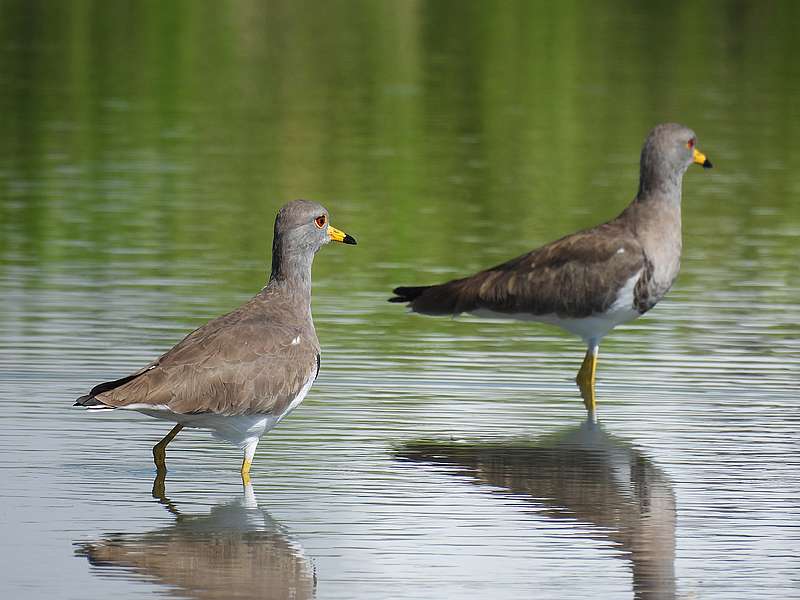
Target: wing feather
576,276
245,362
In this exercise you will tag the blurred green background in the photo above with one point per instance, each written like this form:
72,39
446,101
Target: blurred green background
448,134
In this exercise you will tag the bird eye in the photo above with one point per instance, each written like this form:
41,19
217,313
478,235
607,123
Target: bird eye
690,144
320,221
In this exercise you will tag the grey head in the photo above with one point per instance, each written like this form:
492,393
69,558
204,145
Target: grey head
670,148
301,228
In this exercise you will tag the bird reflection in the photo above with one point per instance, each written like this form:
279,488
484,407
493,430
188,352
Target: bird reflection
235,551
584,473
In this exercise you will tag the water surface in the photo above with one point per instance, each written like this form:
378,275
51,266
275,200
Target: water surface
144,150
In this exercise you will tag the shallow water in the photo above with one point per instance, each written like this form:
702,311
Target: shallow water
144,150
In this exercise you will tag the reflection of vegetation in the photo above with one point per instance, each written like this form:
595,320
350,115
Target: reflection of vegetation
236,551
173,131
582,473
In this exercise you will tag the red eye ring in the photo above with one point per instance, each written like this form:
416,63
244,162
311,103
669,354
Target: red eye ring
690,144
321,221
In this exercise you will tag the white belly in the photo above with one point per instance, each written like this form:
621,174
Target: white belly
239,430
592,328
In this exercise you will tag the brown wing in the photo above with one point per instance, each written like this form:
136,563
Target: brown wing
244,362
576,276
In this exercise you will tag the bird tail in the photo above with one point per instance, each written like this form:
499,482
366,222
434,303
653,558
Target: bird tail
408,294
91,402
436,300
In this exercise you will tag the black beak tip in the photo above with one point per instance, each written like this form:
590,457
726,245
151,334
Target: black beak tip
349,239
707,164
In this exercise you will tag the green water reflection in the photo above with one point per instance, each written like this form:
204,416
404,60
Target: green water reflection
449,133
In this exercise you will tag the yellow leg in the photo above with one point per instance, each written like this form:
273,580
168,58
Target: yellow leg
249,453
585,379
246,471
160,449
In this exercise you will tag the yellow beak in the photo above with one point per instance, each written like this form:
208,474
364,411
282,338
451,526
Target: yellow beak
340,236
701,159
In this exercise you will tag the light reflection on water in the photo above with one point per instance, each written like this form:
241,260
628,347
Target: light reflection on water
235,551
584,474
714,432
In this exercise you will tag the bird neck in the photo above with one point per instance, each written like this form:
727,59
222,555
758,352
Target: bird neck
655,215
658,180
291,270
659,186
657,207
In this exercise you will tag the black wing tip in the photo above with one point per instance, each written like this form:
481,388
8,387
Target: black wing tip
407,294
88,401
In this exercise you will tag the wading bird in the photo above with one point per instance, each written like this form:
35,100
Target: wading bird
590,281
239,374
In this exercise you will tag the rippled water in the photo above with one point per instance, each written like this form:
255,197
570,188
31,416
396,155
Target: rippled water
144,150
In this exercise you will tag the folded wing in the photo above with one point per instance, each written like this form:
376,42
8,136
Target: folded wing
576,276
241,363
